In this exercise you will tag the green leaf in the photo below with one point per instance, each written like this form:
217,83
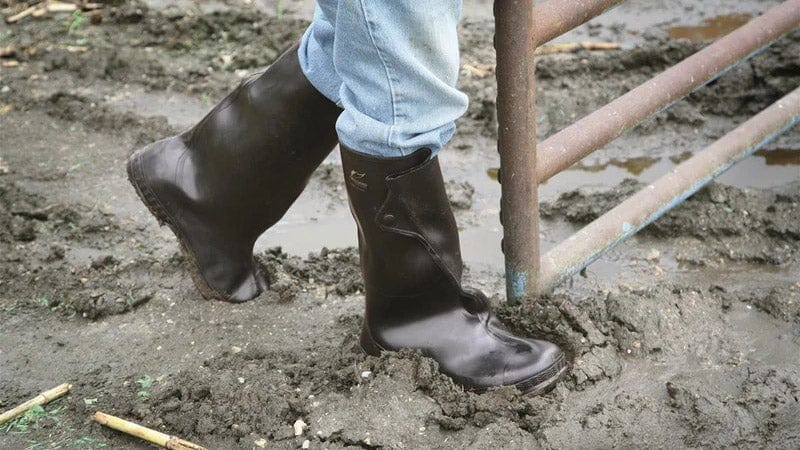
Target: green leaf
145,382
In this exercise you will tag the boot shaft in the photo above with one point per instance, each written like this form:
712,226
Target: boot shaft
407,233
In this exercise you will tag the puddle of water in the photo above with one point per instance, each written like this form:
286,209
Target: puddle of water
766,169
634,166
297,235
710,29
677,159
181,111
308,226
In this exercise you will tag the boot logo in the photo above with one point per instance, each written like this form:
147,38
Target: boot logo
357,179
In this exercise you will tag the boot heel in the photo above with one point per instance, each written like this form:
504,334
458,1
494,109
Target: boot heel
368,344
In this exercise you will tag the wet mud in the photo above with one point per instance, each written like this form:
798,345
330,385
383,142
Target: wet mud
717,222
686,336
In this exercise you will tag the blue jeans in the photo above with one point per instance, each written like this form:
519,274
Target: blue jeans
392,65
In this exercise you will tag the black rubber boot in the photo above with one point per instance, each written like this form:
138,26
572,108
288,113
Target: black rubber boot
411,262
221,184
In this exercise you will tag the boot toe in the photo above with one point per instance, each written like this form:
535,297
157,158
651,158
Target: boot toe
245,292
545,364
219,284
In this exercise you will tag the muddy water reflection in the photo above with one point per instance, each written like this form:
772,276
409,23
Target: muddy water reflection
710,29
781,157
752,172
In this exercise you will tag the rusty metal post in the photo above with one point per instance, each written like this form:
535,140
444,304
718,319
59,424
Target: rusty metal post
516,114
578,140
556,17
647,205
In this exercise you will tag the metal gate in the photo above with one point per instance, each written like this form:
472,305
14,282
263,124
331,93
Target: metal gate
524,163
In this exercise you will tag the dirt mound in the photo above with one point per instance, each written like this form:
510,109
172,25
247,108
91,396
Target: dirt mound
343,398
248,394
337,271
245,394
36,237
762,402
717,222
571,85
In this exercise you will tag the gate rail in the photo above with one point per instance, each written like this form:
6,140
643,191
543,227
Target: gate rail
524,166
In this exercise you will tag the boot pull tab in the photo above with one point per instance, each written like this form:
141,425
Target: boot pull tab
358,180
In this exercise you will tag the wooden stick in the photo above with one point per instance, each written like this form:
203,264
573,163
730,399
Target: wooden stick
482,70
21,15
53,6
575,46
41,399
152,436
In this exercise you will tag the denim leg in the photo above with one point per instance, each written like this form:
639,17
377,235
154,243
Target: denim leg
398,61
316,51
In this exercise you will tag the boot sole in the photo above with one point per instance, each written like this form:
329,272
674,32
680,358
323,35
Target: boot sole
542,383
150,200
546,380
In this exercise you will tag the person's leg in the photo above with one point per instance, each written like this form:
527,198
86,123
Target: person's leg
316,51
224,182
398,61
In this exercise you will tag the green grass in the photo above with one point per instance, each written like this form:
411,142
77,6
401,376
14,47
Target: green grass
34,418
279,9
83,442
42,300
48,419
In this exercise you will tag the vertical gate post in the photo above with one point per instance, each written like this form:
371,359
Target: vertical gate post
516,115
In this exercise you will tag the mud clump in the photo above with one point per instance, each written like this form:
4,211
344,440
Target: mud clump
93,304
338,271
105,286
459,194
781,302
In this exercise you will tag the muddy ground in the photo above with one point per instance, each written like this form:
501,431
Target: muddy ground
686,336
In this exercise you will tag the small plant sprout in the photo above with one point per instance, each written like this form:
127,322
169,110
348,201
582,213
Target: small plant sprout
78,20
144,383
279,9
42,300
